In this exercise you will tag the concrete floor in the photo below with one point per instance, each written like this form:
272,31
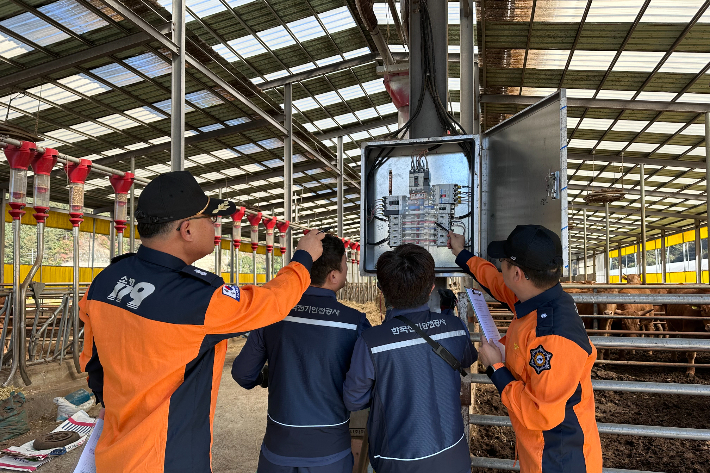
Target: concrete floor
239,426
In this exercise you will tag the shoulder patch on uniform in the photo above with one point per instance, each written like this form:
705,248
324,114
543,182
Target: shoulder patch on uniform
540,359
118,258
206,276
231,291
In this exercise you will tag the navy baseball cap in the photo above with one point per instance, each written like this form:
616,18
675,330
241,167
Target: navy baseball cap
530,246
176,195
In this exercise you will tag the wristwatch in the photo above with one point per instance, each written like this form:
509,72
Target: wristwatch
492,369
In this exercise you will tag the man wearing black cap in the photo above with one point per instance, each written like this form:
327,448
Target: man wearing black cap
156,330
545,377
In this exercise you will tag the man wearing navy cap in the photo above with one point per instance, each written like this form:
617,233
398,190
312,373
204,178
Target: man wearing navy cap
545,377
156,330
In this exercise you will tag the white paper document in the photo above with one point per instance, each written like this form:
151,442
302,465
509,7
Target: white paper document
87,462
488,325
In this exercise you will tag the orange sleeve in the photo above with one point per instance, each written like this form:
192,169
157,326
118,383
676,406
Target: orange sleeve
487,276
555,367
235,309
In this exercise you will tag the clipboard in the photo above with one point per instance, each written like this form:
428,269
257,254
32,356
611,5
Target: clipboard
485,319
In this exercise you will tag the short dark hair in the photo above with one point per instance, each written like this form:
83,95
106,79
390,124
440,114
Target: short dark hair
542,279
330,260
150,230
406,276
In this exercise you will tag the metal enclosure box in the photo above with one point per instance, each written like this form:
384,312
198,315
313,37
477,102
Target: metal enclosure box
524,173
431,187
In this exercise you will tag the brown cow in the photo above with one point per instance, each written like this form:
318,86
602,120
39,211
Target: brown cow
684,310
588,309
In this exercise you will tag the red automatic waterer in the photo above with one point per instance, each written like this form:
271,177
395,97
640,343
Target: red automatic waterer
19,158
121,186
254,220
77,173
42,165
269,223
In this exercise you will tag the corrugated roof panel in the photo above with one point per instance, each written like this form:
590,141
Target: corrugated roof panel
271,143
276,37
248,148
147,115
338,19
34,29
10,47
688,63
73,16
252,167
306,28
116,74
91,128
65,135
203,99
164,105
149,64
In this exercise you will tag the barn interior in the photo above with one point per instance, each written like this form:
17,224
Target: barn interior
591,117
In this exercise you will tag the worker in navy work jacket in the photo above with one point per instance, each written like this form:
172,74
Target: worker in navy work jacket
308,355
415,423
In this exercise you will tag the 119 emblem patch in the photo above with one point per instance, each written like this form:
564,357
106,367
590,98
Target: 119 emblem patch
231,291
540,359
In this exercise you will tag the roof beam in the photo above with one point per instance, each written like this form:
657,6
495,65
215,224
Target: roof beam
260,176
66,62
603,103
694,165
318,71
649,213
668,195
329,135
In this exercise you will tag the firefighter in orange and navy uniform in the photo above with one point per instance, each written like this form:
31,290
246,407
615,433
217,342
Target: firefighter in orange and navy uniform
156,331
545,381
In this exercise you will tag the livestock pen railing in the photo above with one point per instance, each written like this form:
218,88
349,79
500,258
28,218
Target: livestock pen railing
627,343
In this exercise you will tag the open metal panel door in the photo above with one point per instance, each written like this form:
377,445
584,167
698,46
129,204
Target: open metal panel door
524,173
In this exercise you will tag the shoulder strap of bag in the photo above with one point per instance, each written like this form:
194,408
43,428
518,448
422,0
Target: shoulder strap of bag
436,347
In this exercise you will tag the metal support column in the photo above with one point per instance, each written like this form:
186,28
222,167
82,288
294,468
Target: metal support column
75,300
288,171
642,179
621,268
476,101
93,246
132,211
698,255
3,204
663,256
594,266
340,186
607,263
584,216
253,265
467,83
707,180
112,241
427,123
177,92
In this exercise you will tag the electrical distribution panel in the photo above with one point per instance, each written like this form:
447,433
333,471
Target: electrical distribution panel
415,191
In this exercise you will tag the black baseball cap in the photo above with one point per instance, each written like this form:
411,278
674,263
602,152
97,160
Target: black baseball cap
530,246
176,195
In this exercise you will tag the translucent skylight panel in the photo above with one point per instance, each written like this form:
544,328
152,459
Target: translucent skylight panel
612,10
225,52
694,129
616,94
116,74
665,127
642,147
276,37
203,99
273,163
91,128
203,158
215,126
149,64
454,83
546,58
638,61
612,145
143,173
365,114
538,91
237,121
673,149
31,27
325,123
305,104
656,96
73,16
99,182
84,85
276,75
328,98
164,105
135,146
595,124
352,92
21,102
303,67
271,143
112,152
298,158
213,176
252,167
246,46
398,48
53,93
248,148
145,114
203,8
673,11
374,86
328,60
386,109
189,133
306,28
383,14
225,153
337,20
231,172
629,125
343,119
353,152
360,136
686,180
65,135
10,47
159,168
356,53
591,60
379,131
686,63
310,127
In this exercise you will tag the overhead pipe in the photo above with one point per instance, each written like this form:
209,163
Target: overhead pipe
77,177
121,185
254,220
19,157
269,224
367,14
236,242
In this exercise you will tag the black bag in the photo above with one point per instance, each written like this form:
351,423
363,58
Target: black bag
436,347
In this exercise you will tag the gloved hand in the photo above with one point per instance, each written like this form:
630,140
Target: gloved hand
263,379
447,299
